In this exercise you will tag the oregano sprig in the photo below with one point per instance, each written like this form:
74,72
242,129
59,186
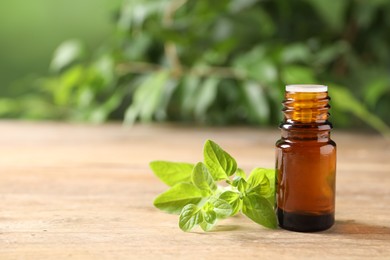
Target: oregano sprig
195,195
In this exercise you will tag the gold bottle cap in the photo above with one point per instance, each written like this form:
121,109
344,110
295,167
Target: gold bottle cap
306,88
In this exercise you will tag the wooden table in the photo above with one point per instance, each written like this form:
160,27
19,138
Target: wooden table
79,191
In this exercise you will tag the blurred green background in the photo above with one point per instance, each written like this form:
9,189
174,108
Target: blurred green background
193,61
30,31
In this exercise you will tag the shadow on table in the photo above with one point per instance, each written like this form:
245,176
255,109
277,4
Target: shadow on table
341,227
351,227
226,228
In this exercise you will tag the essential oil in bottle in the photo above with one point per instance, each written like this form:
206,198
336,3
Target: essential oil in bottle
306,161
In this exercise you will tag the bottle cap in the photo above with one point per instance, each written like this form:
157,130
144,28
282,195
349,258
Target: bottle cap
306,88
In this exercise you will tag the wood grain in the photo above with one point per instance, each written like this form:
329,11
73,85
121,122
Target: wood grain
85,192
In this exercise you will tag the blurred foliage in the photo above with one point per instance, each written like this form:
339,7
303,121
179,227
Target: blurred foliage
222,63
31,30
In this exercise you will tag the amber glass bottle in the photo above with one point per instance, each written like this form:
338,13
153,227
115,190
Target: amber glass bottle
306,161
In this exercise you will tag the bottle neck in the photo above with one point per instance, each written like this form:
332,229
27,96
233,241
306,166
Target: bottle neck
306,132
306,116
306,107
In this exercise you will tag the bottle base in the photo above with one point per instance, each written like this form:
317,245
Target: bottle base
304,222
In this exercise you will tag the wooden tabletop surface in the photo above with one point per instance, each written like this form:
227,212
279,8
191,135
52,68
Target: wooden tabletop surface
71,191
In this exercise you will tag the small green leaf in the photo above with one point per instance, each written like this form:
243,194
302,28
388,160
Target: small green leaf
206,95
271,175
233,198
202,178
178,196
172,172
190,216
240,173
259,210
219,162
68,52
206,226
189,87
258,180
257,65
208,206
297,73
239,5
296,52
240,184
162,109
222,208
133,13
147,97
69,81
101,113
375,90
256,102
209,218
260,184
330,53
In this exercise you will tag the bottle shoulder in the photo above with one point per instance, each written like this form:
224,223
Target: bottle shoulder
286,142
289,125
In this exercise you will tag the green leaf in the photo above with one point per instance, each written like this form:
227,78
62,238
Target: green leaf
190,216
206,226
208,206
202,178
366,12
233,198
332,12
220,163
134,13
104,67
293,74
330,53
256,102
258,180
162,109
172,173
69,80
240,184
297,52
65,54
257,65
207,92
238,5
376,89
259,210
262,182
209,217
101,113
240,173
222,208
189,87
271,175
343,100
178,196
147,98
